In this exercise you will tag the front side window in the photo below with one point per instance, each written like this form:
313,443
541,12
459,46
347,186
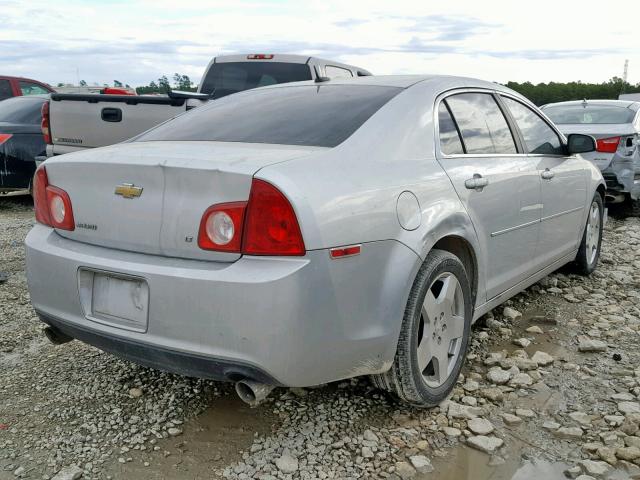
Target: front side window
482,125
5,89
539,137
313,115
28,88
450,143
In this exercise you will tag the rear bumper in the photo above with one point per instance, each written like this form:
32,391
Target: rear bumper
294,321
161,358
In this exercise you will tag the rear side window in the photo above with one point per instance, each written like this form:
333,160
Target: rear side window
337,72
539,137
482,125
5,89
231,77
313,115
589,114
23,110
450,143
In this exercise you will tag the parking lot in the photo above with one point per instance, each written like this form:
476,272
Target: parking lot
515,413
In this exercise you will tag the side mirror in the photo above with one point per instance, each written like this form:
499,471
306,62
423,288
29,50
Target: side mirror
578,143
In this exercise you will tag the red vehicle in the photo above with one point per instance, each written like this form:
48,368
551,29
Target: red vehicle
17,86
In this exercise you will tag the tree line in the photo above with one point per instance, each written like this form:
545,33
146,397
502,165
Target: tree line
539,94
551,92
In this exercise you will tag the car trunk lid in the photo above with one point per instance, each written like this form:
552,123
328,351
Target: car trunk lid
164,189
599,131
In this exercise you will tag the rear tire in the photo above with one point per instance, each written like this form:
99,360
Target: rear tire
435,333
589,251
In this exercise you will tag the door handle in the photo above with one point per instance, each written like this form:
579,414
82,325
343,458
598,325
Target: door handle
477,183
547,174
111,114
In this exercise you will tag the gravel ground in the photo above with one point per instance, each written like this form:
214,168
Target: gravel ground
550,389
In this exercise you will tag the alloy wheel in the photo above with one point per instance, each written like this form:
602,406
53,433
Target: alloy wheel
440,329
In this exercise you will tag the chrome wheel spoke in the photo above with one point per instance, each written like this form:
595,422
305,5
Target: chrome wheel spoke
430,308
455,327
425,353
449,287
441,363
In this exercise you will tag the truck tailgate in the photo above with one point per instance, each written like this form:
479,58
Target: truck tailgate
94,120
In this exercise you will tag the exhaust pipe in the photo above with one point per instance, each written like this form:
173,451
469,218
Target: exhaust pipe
55,336
614,198
253,393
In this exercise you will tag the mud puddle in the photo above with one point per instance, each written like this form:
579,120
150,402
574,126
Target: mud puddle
214,439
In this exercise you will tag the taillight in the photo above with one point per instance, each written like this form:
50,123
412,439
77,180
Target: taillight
265,225
44,124
40,184
607,145
52,204
271,226
4,137
221,227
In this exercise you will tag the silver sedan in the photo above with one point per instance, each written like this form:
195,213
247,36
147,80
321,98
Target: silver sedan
616,126
304,233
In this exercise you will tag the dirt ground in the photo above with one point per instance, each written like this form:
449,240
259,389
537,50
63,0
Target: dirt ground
570,411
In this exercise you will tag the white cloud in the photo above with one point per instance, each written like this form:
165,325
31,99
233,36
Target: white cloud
137,41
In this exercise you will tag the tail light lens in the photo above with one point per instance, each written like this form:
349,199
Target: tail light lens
607,145
44,124
271,226
52,204
4,137
221,227
265,225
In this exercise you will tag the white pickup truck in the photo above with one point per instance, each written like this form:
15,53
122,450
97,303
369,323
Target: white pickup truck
74,122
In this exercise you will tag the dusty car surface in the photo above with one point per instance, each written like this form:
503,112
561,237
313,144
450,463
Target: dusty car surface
616,126
304,233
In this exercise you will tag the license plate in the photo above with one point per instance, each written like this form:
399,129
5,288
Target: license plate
114,299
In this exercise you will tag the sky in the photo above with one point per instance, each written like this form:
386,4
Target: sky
137,41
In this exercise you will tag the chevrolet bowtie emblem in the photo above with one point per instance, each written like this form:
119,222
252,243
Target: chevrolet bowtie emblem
128,190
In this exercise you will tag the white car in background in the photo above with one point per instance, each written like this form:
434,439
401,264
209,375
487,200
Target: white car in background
615,124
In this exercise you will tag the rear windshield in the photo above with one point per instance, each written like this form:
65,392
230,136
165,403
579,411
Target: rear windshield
579,114
322,116
23,110
226,78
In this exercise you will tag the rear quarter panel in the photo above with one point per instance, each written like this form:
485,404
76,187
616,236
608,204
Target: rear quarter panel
349,194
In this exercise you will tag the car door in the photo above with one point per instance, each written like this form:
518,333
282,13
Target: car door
498,185
564,183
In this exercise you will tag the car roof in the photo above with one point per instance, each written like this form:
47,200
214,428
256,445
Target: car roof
445,82
611,103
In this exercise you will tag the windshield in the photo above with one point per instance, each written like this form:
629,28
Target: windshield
589,114
322,116
24,110
226,78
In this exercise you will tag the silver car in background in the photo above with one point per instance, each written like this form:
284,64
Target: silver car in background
304,233
616,126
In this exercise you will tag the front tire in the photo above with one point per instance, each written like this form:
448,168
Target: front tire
589,251
435,333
